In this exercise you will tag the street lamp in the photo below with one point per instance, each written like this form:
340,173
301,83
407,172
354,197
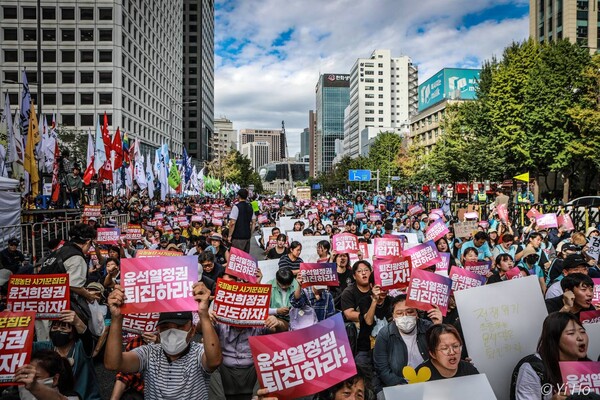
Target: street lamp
171,104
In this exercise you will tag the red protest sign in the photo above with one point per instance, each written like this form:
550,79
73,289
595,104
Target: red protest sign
423,255
145,253
364,249
392,273
134,232
140,323
427,289
533,213
16,334
464,279
502,211
589,317
92,211
242,265
345,243
159,216
581,377
319,274
596,298
360,215
387,247
436,231
374,217
197,218
546,221
479,267
108,235
443,265
171,209
159,284
304,362
46,295
241,304
513,273
565,222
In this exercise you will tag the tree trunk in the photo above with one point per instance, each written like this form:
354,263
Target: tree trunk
536,189
566,187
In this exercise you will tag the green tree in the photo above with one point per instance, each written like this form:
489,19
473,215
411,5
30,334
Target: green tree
384,155
236,168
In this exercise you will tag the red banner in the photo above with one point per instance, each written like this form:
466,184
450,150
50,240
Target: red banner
47,295
217,221
92,211
304,362
392,273
345,243
364,249
319,274
565,222
242,265
159,284
479,267
387,247
16,341
464,279
146,253
436,231
108,236
140,323
423,255
427,289
443,266
589,317
596,298
533,213
242,304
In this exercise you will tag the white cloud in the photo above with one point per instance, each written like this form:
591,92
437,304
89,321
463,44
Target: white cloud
257,89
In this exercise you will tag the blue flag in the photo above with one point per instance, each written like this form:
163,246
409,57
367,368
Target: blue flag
187,165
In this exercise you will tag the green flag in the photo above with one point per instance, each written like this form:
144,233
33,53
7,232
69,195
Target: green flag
174,178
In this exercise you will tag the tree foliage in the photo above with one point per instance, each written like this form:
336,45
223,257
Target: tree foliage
236,168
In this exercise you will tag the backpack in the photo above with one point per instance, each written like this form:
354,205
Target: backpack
537,365
53,264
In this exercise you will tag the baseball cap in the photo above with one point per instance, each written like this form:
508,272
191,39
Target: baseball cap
164,238
178,318
574,261
13,241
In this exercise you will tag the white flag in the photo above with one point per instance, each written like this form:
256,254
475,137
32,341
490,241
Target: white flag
100,152
91,150
149,177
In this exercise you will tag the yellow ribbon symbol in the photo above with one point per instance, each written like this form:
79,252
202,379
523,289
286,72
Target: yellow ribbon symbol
411,375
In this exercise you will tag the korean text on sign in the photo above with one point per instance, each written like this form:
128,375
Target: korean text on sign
581,377
159,284
427,289
436,231
319,274
478,267
294,365
242,265
16,338
108,235
92,211
392,273
242,304
387,247
46,295
464,279
423,255
345,243
140,323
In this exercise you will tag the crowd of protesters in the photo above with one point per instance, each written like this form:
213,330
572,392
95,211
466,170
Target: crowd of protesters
193,356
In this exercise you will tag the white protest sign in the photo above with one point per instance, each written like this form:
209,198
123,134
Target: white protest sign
287,223
294,236
309,247
410,237
471,387
268,269
594,247
593,331
502,324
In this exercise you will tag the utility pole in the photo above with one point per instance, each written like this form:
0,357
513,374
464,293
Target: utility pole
287,154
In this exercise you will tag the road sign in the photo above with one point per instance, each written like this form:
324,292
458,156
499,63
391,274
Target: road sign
395,178
359,175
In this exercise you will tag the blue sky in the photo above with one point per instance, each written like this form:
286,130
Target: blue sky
269,53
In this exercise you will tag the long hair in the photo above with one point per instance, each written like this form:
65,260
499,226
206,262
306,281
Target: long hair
54,364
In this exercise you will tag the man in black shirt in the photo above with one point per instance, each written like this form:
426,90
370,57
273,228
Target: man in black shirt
578,291
11,258
241,222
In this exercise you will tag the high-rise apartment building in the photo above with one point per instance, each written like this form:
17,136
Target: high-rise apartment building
198,78
313,150
274,137
332,97
224,139
304,142
258,153
383,96
569,19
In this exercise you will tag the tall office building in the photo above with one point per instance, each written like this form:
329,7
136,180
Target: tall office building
304,142
272,136
569,19
332,97
224,138
313,149
383,96
258,153
198,79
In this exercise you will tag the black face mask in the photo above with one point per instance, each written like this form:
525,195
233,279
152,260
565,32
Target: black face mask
59,338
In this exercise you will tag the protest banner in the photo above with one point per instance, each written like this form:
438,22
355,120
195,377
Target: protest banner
502,211
476,387
464,279
436,231
304,362
465,229
406,237
596,297
360,215
370,207
479,267
263,218
589,317
387,247
16,334
580,377
423,255
345,243
47,295
287,223
427,289
434,217
310,211
365,249
159,284
565,222
170,209
140,323
134,232
319,274
374,217
241,304
513,273
473,215
197,218
438,212
108,235
594,247
484,224
593,331
392,272
546,221
533,213
268,268
216,221
92,211
501,324
159,216
242,265
415,209
145,253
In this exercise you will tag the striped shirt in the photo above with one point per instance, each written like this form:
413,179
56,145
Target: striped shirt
184,378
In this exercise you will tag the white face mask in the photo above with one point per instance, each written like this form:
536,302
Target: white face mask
25,394
174,341
406,323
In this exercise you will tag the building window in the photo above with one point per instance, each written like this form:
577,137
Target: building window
29,56
86,77
105,14
10,33
105,77
86,98
68,77
49,35
29,13
49,77
104,98
380,88
68,98
11,76
68,56
68,35
105,35
67,14
86,55
68,119
87,119
86,35
49,56
104,55
49,13
29,35
49,98
10,12
86,14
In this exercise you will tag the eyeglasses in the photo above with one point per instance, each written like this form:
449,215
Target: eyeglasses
456,348
360,271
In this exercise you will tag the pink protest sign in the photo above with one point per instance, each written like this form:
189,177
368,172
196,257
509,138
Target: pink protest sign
533,213
197,218
545,221
423,255
443,265
242,265
463,279
159,284
502,211
16,331
580,377
241,304
436,231
589,317
304,362
108,235
374,217
159,216
472,215
263,219
427,289
217,221
360,215
345,243
319,274
478,267
364,249
387,247
513,273
434,217
596,298
565,222
140,323
438,212
415,209
392,272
